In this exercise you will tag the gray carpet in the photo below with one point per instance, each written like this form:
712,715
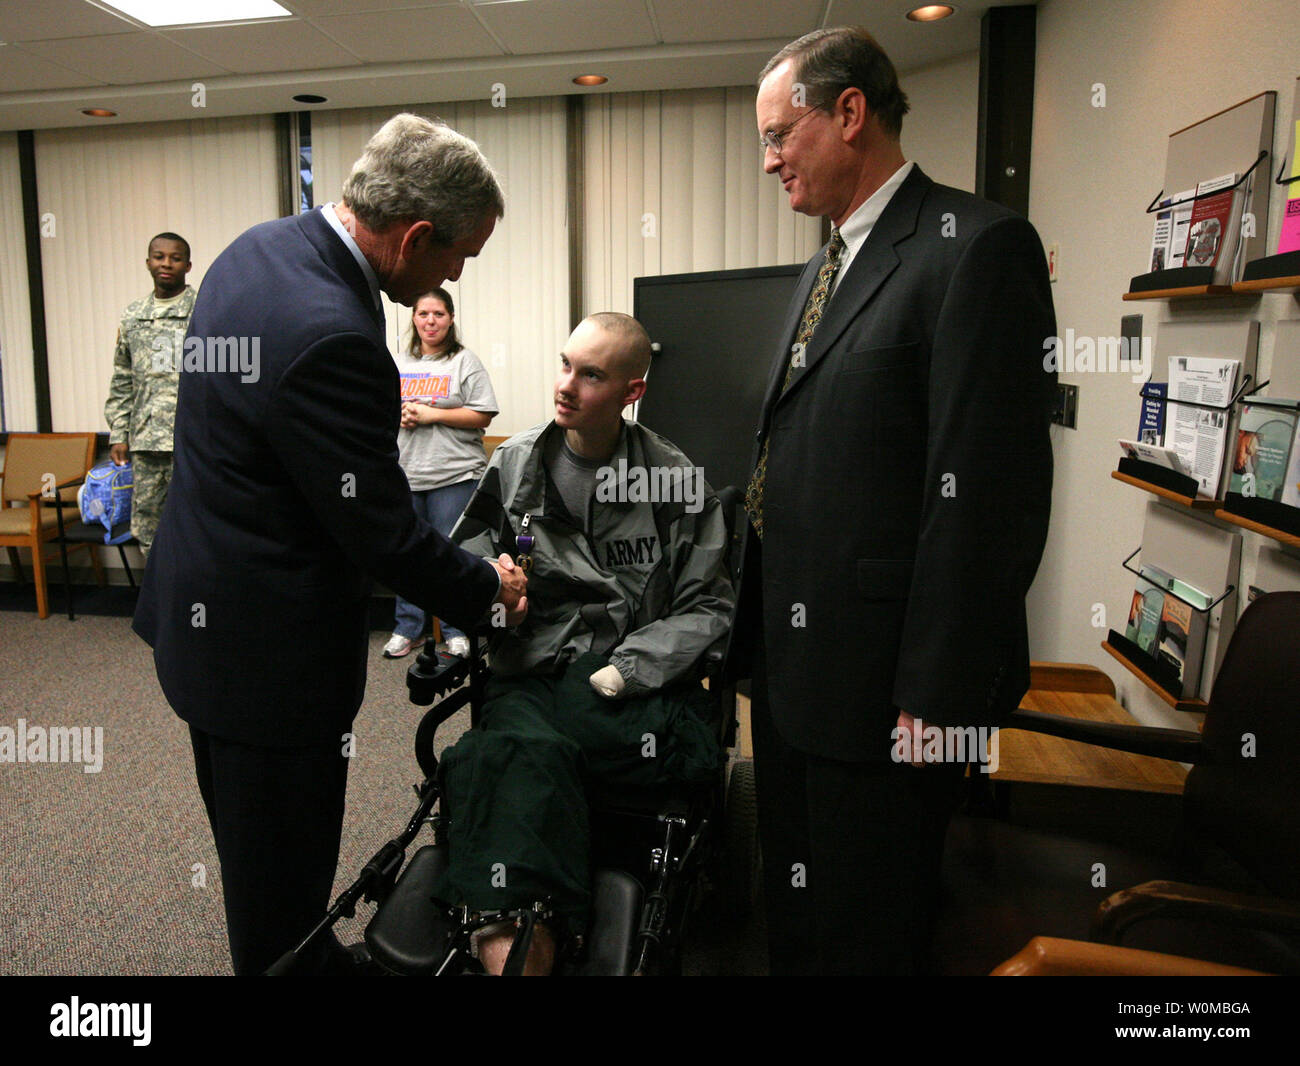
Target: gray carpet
98,872
115,873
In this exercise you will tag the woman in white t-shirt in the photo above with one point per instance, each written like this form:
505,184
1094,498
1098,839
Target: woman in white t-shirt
447,402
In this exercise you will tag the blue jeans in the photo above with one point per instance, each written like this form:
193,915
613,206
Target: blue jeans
441,508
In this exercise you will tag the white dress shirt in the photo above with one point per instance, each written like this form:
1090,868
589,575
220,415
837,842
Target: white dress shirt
371,278
857,227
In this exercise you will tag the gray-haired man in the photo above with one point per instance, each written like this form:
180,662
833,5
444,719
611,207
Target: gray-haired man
287,498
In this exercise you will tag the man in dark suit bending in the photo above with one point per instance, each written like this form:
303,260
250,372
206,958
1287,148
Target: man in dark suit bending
286,500
898,509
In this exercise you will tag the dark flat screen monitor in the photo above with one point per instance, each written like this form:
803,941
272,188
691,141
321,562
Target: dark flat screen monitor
717,335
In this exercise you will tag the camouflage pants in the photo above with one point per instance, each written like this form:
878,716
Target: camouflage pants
152,473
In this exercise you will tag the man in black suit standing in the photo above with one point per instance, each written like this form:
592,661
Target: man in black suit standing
287,498
898,507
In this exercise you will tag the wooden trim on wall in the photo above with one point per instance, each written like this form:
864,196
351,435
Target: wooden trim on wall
1008,44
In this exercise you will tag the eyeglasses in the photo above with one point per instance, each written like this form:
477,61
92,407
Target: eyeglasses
773,139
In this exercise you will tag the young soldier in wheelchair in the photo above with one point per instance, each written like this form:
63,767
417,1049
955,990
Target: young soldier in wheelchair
625,547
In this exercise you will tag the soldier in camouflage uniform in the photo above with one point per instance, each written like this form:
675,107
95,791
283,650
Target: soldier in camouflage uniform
141,403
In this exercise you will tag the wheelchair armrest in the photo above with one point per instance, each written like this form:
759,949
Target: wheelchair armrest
1179,745
434,674
438,680
1172,899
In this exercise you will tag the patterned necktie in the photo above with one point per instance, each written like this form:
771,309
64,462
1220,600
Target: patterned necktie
812,314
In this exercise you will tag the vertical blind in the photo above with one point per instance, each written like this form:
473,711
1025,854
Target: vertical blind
674,184
105,192
15,312
512,301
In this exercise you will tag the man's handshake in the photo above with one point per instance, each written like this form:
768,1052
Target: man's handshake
514,588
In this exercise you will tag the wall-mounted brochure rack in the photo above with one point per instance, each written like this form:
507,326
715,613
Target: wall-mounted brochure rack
1161,674
1170,484
1202,556
1237,140
1260,514
1281,271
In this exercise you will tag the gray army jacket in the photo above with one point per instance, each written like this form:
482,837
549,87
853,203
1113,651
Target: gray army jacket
141,407
649,588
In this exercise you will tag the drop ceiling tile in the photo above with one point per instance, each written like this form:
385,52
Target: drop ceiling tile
265,46
735,20
312,8
27,20
911,45
569,25
21,72
126,58
403,36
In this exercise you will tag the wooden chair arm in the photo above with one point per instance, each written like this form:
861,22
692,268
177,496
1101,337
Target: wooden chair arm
1172,899
1178,745
1069,677
1051,957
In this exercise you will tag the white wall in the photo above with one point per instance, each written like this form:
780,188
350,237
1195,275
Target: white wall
1165,64
940,130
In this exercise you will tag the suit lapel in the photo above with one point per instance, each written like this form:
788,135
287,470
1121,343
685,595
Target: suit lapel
337,256
876,260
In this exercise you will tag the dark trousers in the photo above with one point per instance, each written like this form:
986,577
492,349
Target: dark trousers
276,816
851,853
515,786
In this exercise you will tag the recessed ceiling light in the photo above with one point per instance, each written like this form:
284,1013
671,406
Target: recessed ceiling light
309,98
98,112
590,79
193,12
931,12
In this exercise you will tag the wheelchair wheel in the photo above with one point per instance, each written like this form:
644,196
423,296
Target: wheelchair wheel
741,860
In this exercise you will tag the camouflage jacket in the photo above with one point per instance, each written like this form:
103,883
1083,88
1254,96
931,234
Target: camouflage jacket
648,588
141,403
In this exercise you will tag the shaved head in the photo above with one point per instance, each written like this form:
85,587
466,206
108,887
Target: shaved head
632,340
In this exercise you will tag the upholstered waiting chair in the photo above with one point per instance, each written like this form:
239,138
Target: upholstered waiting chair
1241,803
74,533
37,465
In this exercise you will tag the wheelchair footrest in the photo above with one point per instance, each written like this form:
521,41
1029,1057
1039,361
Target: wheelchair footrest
408,934
611,937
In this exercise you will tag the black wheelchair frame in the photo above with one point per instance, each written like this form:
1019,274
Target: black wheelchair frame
656,857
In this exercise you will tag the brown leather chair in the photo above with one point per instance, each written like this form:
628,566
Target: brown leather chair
1240,812
37,467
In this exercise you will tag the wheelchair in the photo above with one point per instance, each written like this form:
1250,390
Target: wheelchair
661,860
